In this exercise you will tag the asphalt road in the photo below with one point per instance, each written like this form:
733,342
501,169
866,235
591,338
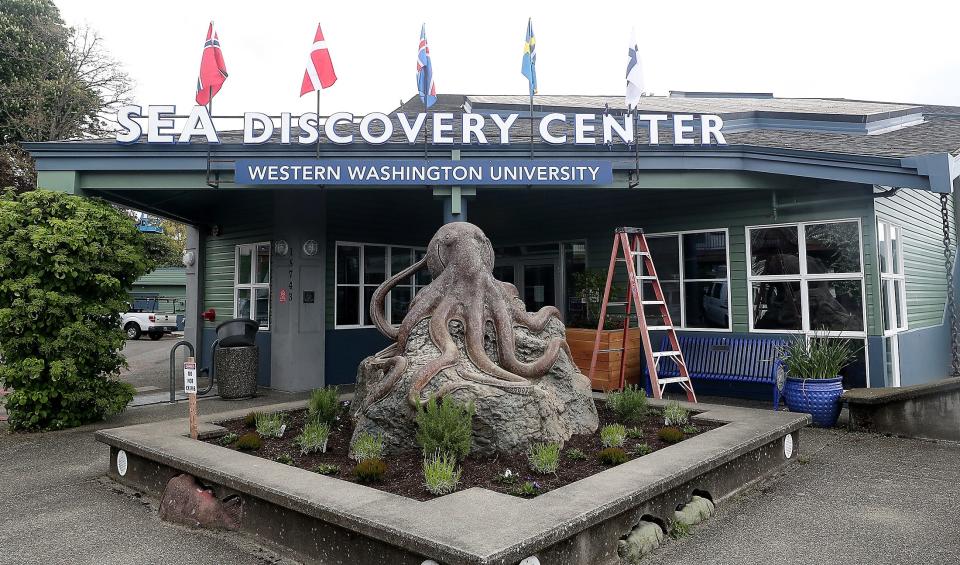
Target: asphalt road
149,363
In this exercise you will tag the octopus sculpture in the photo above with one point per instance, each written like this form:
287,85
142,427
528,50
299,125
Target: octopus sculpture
460,260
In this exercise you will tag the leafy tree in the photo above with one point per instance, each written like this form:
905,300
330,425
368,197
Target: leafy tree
66,265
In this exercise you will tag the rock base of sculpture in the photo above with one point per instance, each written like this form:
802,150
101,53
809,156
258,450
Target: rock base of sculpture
507,420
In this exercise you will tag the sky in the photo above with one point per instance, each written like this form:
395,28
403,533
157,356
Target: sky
896,51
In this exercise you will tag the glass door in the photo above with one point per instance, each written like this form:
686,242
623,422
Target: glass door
539,284
893,299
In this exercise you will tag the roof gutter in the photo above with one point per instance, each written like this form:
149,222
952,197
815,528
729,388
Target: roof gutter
941,168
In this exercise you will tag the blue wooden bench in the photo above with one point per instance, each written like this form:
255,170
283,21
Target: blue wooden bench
734,359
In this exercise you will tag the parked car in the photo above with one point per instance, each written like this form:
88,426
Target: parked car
715,307
153,324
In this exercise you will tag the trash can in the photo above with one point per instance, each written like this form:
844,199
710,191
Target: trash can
236,359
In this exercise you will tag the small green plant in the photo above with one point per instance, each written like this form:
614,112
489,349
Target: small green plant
313,437
613,456
507,477
544,458
324,405
675,415
642,449
441,474
670,434
679,529
819,357
629,405
327,469
690,429
613,435
249,441
250,420
635,433
284,458
270,424
367,446
445,426
527,488
228,439
575,454
370,470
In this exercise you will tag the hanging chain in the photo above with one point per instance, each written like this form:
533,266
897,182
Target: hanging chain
951,298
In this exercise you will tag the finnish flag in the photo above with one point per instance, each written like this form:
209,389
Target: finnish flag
634,72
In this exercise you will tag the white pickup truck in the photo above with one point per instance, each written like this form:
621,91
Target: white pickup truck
154,325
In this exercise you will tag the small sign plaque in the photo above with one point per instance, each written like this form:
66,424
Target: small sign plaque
283,296
190,377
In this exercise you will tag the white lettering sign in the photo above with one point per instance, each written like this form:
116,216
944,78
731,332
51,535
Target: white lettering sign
190,377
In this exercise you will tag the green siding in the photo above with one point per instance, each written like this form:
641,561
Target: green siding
917,212
218,265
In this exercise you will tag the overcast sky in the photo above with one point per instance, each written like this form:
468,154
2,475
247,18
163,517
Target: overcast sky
903,51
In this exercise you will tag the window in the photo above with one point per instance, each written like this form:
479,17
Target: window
251,283
694,276
806,277
361,268
892,280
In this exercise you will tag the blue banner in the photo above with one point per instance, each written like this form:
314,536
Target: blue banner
393,172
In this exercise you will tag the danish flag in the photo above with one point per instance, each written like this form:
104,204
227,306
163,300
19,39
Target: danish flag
319,73
213,71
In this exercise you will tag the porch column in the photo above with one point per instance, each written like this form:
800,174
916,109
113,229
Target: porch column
193,323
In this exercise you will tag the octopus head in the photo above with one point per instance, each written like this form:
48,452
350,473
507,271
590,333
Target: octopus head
460,244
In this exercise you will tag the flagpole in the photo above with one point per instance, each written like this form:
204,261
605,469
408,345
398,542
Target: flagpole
318,122
209,147
531,123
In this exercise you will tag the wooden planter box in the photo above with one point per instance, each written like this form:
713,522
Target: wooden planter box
607,373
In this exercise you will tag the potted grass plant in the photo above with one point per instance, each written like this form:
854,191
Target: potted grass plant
813,383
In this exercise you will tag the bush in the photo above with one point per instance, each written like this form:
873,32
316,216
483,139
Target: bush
249,441
250,420
544,458
575,454
527,488
441,474
285,459
675,415
370,471
690,429
66,265
367,446
324,405
445,426
629,404
327,469
313,437
816,358
271,425
670,434
613,456
642,449
228,439
635,433
613,435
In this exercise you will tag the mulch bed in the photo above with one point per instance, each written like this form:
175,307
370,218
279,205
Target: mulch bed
404,474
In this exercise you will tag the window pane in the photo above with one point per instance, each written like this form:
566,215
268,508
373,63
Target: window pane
263,307
855,374
423,275
665,251
348,264
882,246
671,291
885,303
705,305
704,255
242,308
833,248
776,305
399,303
262,274
836,305
574,263
400,259
775,251
367,296
898,306
348,301
374,264
243,265
895,249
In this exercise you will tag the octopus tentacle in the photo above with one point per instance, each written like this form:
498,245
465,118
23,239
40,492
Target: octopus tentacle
440,335
473,339
396,367
376,302
503,322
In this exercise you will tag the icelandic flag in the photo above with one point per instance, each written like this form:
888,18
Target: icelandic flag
213,70
529,68
634,73
319,73
425,84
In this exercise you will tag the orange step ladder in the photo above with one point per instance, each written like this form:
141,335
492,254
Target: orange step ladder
633,244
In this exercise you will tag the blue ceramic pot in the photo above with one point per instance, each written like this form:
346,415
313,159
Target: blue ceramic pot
818,397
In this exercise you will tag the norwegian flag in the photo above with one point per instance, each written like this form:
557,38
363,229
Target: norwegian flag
319,73
213,70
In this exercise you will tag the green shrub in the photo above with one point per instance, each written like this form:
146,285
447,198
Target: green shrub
690,429
527,488
370,471
642,449
635,433
324,405
679,529
507,477
249,441
228,439
670,434
284,458
313,437
327,469
66,266
445,426
271,425
575,454
816,358
613,456
629,405
613,435
250,420
441,474
675,415
367,446
544,458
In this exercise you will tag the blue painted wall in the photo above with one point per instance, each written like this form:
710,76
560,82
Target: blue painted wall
346,349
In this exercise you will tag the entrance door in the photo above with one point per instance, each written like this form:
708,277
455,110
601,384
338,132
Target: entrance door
539,284
893,297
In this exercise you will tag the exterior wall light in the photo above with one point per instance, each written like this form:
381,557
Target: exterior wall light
189,258
311,247
281,248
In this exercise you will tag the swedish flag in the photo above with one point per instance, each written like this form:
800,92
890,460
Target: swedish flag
529,68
